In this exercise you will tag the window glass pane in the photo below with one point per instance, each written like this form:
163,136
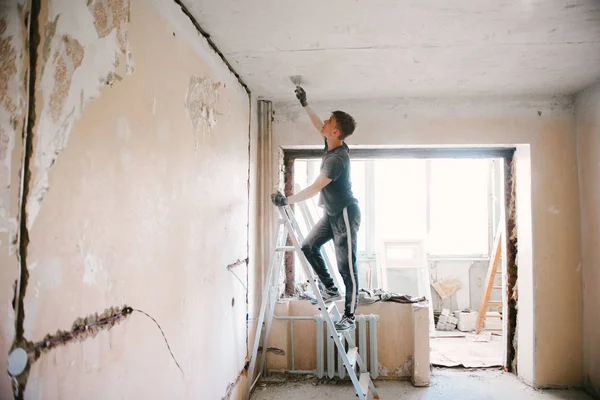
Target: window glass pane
357,171
400,199
459,207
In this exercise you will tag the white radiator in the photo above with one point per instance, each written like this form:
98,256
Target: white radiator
364,336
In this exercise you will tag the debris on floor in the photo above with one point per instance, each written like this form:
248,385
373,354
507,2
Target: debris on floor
470,350
485,336
445,384
446,321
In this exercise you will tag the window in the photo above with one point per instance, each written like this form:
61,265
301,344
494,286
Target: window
459,207
400,203
447,201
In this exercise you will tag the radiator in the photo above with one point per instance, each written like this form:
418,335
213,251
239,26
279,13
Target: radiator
364,336
365,339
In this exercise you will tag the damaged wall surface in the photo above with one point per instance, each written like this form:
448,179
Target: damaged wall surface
13,104
588,146
139,179
545,126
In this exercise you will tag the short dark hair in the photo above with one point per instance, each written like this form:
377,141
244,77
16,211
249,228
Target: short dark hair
345,123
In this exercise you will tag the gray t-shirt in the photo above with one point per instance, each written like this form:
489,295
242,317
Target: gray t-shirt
338,194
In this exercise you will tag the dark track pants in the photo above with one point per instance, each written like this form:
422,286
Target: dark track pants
343,229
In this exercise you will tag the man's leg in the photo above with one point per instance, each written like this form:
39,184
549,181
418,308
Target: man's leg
311,247
345,232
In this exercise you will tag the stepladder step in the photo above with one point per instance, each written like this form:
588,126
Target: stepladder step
285,248
352,356
330,307
364,382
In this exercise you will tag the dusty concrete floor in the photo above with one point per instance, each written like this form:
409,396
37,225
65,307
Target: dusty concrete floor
466,352
445,384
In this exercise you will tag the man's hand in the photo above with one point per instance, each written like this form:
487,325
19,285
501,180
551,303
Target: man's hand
279,199
301,95
314,118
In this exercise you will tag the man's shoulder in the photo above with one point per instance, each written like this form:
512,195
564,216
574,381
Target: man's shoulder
336,156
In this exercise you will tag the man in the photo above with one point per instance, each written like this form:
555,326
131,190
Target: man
342,214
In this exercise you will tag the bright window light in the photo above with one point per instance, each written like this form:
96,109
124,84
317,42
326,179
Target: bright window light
459,207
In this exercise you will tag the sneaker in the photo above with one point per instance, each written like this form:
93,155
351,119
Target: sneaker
329,295
345,324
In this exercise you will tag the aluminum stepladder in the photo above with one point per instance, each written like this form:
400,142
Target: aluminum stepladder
287,225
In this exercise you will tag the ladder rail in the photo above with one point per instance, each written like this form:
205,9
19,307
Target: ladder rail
489,281
261,317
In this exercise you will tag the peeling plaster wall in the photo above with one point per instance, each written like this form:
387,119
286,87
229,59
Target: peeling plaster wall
13,105
588,146
546,127
139,194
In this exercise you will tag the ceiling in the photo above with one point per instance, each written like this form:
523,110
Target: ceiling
354,49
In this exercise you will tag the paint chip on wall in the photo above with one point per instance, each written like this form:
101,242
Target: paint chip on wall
110,15
11,107
201,102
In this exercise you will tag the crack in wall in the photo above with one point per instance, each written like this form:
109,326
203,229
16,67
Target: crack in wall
211,43
81,329
23,236
232,385
238,262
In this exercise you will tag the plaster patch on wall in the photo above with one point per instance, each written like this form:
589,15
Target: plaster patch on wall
81,56
11,105
554,210
201,101
93,270
49,273
123,130
66,60
109,15
404,370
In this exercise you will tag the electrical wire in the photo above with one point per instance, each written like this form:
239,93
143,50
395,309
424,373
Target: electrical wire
166,341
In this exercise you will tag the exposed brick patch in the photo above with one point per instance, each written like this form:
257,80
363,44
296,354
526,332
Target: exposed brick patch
288,188
511,262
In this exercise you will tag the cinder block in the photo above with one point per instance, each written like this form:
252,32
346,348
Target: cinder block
466,316
466,326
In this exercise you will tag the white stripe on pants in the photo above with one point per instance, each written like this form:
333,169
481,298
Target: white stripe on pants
350,265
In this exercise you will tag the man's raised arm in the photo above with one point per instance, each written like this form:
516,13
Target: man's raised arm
314,118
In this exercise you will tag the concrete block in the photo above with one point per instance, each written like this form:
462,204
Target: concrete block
466,316
466,326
